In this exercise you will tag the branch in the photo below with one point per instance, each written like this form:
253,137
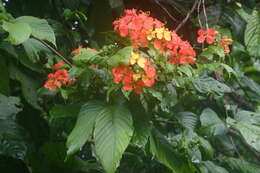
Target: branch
187,16
169,14
54,51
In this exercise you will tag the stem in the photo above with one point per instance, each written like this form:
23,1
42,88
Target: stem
54,51
187,16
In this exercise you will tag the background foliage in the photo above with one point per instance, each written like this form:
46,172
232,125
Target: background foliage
205,120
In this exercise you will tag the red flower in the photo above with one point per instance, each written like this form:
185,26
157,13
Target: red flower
207,35
58,65
62,75
55,80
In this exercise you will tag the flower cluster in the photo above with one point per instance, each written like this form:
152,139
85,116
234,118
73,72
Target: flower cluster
225,42
143,29
131,78
207,35
58,78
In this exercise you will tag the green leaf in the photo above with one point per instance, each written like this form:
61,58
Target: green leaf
9,106
8,48
229,70
167,155
29,86
142,125
33,48
207,149
12,136
252,35
4,76
188,120
112,134
249,131
122,57
84,126
12,139
213,168
248,117
61,111
211,124
18,32
212,50
87,55
39,28
210,85
240,165
250,83
186,69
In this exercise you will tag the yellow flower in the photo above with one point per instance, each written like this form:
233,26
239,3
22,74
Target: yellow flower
137,76
141,62
150,35
167,35
134,58
159,32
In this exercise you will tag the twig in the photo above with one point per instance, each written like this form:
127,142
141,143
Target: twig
205,14
198,11
237,134
54,51
187,16
169,14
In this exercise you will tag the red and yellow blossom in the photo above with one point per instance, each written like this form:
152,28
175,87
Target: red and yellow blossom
135,80
143,29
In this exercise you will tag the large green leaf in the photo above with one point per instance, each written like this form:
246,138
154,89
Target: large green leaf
167,155
9,106
188,120
210,85
33,48
12,139
18,32
211,124
29,86
207,149
112,134
12,136
142,125
240,165
84,126
40,28
249,131
210,167
252,34
62,111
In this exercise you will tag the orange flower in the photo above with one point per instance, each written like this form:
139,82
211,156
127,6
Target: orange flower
55,80
225,42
